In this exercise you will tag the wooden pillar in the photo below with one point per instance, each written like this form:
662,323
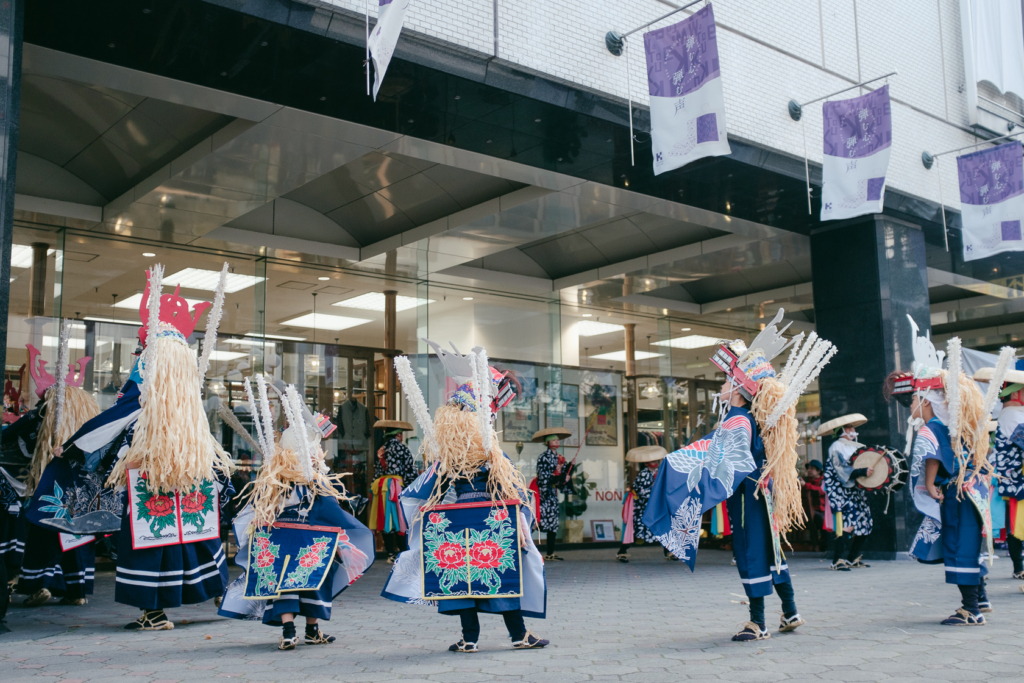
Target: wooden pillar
631,407
390,323
37,280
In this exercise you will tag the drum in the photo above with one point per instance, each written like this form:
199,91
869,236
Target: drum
889,468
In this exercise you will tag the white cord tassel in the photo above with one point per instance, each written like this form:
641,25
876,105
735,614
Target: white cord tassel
293,410
63,366
415,397
995,385
794,352
954,365
254,410
213,323
794,364
806,373
483,403
156,285
265,415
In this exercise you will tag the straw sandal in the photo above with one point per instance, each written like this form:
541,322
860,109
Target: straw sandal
963,618
751,631
529,642
463,646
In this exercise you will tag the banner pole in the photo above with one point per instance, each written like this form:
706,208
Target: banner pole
366,62
629,96
942,206
807,168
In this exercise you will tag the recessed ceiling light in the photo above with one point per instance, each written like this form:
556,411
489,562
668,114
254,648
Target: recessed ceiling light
148,254
21,255
72,343
374,301
591,328
690,341
684,329
118,321
323,279
621,355
588,315
467,298
324,321
226,355
135,300
274,336
197,278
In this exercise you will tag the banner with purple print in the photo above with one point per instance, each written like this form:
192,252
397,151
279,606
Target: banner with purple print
992,200
858,138
687,105
384,38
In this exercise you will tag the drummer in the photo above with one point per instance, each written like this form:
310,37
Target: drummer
1008,459
633,528
550,478
848,502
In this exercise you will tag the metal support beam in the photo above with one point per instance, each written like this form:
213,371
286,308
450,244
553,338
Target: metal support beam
12,16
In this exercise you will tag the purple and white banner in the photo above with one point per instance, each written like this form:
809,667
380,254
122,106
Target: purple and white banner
858,138
384,38
687,105
992,200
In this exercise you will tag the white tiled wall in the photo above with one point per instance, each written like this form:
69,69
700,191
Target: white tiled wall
771,51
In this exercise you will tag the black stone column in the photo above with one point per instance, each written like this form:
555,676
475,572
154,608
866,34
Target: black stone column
869,273
12,15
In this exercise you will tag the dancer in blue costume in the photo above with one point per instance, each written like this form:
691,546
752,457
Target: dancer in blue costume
749,462
950,469
478,565
169,549
57,564
293,498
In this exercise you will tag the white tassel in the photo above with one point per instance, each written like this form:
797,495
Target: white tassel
293,410
794,351
213,323
63,367
954,365
265,415
806,372
793,365
156,285
415,397
483,404
254,410
995,385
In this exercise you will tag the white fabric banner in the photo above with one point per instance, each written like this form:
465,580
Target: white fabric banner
384,38
996,26
992,200
685,84
857,142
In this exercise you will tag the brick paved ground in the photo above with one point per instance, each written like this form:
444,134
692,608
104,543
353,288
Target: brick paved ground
648,621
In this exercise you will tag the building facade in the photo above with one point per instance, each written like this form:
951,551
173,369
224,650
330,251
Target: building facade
490,195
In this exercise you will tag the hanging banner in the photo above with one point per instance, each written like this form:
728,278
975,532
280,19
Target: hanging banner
992,200
858,138
687,104
384,38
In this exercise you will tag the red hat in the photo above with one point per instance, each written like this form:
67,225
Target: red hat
174,311
44,380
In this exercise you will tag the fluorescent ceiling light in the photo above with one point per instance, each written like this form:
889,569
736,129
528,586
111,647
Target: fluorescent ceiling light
118,321
197,278
592,328
274,336
323,321
135,300
621,355
72,343
374,301
226,355
21,255
690,341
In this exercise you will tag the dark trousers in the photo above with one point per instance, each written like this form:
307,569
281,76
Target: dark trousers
816,526
551,542
969,598
624,548
5,594
1015,546
471,624
847,547
395,542
786,594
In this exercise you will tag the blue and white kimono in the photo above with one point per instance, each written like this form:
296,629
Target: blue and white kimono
405,583
18,444
952,530
355,555
698,477
842,491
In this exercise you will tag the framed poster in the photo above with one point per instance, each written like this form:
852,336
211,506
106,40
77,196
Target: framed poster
602,530
520,420
565,412
602,420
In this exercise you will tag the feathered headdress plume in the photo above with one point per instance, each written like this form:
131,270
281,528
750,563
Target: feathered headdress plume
213,323
995,385
293,409
815,354
63,364
415,398
254,409
482,385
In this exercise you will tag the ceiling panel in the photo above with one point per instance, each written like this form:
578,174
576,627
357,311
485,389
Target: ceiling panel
619,240
566,255
371,219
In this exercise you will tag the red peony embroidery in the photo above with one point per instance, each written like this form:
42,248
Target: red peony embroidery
193,502
262,542
450,556
435,518
486,555
159,506
309,560
501,515
264,559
